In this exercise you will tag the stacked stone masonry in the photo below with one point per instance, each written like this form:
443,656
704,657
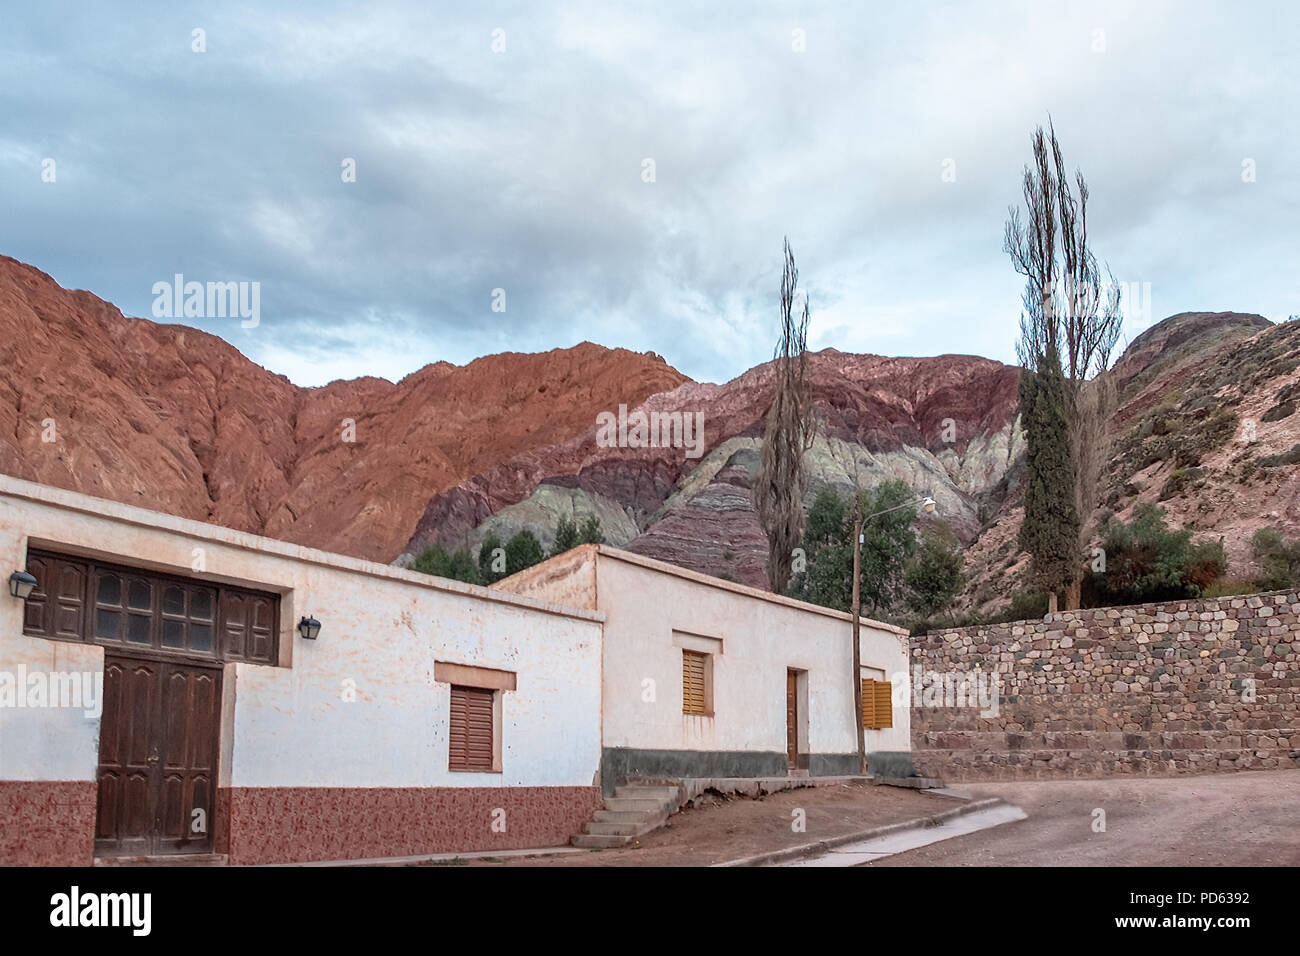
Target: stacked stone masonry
1154,689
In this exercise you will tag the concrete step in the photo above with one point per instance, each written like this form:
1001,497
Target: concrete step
621,816
594,841
647,792
625,829
633,803
914,783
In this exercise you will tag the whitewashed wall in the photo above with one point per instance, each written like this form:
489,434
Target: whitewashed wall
383,629
761,638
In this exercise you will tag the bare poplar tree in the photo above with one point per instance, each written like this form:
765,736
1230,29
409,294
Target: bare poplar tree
1065,313
781,480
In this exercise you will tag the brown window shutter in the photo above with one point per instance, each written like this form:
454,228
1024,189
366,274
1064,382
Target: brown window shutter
57,607
248,626
470,742
867,687
693,692
884,704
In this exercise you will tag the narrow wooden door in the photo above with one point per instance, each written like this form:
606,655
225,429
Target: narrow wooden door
157,757
792,718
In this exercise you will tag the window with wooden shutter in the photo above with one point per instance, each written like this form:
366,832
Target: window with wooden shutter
877,704
695,684
82,599
56,607
472,744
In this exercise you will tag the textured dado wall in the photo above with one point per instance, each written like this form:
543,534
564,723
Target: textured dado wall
1149,689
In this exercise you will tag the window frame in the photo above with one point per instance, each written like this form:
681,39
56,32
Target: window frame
494,715
221,621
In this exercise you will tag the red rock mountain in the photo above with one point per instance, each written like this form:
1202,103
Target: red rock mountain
177,420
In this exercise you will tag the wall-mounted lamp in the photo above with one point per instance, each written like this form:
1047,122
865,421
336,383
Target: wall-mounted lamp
309,627
928,506
21,584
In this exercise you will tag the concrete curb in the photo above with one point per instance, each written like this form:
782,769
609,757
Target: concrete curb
825,846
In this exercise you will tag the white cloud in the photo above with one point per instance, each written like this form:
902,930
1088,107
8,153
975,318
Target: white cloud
522,170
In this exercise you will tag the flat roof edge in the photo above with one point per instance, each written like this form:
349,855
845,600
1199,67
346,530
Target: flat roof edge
664,567
201,530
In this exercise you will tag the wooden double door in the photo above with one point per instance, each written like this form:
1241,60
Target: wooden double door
158,753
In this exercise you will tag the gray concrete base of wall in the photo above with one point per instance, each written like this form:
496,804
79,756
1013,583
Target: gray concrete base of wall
691,788
619,765
970,766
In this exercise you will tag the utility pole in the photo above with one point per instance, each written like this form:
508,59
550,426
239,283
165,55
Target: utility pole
928,506
857,648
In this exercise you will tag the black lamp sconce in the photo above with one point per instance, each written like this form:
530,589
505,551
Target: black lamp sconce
309,627
21,584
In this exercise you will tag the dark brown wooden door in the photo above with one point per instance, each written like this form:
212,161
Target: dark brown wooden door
792,718
158,748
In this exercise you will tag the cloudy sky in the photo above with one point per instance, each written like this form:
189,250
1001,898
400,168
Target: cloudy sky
524,167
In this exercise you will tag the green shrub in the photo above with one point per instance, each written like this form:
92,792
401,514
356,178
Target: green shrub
933,577
1179,480
459,565
1024,606
523,551
1217,429
1279,559
566,536
1147,561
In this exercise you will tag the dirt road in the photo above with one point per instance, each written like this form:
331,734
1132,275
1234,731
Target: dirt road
723,828
1232,819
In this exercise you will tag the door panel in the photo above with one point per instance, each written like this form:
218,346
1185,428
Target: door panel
124,819
158,753
191,717
792,718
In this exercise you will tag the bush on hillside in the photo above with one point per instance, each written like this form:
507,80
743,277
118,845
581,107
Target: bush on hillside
1146,561
1278,558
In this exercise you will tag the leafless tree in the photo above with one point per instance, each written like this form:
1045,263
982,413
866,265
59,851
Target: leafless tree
1067,309
781,481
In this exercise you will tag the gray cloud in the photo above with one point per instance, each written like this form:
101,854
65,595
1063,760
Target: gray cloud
522,170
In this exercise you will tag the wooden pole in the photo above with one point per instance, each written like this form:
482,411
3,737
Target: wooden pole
857,650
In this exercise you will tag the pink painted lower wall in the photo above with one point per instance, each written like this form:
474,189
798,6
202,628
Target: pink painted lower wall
47,822
305,824
52,823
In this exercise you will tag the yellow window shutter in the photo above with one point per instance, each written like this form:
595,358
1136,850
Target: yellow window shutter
868,702
884,704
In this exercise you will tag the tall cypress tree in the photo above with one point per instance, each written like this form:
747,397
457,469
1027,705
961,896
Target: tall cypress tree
1050,529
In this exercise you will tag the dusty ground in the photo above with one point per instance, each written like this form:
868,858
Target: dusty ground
1231,819
727,828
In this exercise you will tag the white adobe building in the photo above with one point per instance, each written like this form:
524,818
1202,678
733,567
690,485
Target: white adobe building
709,678
170,688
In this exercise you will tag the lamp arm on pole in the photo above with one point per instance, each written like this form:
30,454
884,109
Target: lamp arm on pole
925,500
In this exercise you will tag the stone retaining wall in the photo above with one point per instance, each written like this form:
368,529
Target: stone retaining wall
1149,689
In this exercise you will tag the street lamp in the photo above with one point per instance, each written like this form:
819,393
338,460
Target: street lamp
926,502
927,505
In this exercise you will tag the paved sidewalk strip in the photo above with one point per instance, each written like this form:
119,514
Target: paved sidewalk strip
856,854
